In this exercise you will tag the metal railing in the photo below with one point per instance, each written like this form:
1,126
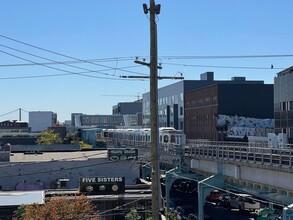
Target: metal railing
240,152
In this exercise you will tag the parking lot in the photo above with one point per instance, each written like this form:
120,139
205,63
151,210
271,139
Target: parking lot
184,203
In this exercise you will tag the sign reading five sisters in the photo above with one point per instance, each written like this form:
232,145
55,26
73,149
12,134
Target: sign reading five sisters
102,185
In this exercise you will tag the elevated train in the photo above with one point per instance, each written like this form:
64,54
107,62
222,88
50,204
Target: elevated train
141,137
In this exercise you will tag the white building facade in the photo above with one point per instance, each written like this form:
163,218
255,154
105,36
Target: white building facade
283,103
40,120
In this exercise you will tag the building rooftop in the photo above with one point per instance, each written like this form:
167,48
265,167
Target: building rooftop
15,198
285,71
56,156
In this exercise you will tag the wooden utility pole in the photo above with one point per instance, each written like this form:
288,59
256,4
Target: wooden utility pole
153,65
156,187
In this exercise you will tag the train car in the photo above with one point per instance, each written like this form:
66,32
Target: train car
141,137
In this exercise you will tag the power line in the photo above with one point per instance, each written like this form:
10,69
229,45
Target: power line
226,57
56,53
21,51
66,71
67,63
72,62
9,113
224,67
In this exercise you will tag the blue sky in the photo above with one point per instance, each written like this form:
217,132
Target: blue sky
108,35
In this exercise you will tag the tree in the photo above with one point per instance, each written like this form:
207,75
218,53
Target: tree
84,146
132,215
49,137
60,209
71,138
19,213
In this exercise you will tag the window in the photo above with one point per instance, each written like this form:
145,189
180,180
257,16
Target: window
283,106
291,106
181,96
166,139
181,110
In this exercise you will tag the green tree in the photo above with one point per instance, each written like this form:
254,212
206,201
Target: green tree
71,138
84,146
171,216
132,215
19,213
49,137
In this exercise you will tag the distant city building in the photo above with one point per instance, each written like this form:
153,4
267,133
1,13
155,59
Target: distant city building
131,111
5,153
104,121
92,137
100,121
16,132
40,120
67,123
127,108
61,130
203,107
283,103
14,126
171,99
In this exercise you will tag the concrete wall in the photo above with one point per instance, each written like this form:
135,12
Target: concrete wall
255,174
45,148
48,172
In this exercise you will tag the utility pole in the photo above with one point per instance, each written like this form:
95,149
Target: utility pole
156,187
153,65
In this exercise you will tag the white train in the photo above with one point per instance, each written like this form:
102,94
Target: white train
141,137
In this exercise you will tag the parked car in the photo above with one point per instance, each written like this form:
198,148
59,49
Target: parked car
224,200
214,196
244,202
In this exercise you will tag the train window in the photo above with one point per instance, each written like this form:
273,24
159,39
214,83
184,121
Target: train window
106,134
148,138
173,139
98,136
160,138
166,139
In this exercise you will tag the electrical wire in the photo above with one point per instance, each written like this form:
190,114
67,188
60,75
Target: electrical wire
66,71
69,62
226,57
80,68
9,113
70,65
56,53
225,67
134,201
